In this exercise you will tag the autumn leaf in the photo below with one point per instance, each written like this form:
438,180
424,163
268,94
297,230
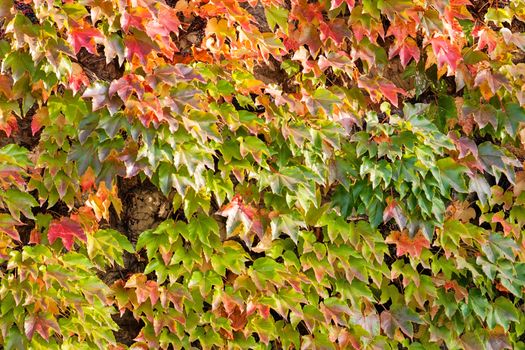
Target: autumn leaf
238,214
127,85
336,3
8,123
139,45
406,50
100,97
82,35
404,244
446,52
40,323
67,230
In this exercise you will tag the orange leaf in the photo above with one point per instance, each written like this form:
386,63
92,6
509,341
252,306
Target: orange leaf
405,244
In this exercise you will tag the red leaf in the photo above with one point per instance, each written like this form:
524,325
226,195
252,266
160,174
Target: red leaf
336,30
127,85
168,18
83,36
65,229
446,52
337,3
7,226
406,50
78,78
381,87
135,17
237,212
87,181
41,325
8,123
139,45
487,38
405,244
393,210
40,119
390,91
308,35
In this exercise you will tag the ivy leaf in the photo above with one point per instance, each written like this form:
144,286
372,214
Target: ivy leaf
40,323
452,174
84,36
496,162
336,3
204,228
401,318
110,244
405,244
8,122
127,85
8,226
67,230
19,202
139,45
505,312
516,115
100,97
239,214
499,15
321,99
277,15
446,52
406,50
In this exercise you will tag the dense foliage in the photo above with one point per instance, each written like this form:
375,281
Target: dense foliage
335,174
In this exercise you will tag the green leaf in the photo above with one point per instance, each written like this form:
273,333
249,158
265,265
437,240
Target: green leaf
19,202
505,312
453,175
110,244
499,15
515,115
277,15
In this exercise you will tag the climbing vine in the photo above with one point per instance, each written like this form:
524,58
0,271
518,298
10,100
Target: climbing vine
262,174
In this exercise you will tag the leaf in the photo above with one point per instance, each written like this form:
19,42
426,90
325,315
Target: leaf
405,244
8,226
499,15
505,312
322,99
41,323
453,174
67,230
139,45
446,52
496,162
406,50
127,85
253,146
8,123
277,15
239,214
381,87
479,184
100,97
19,202
40,119
336,3
84,36
401,318
110,244
515,116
